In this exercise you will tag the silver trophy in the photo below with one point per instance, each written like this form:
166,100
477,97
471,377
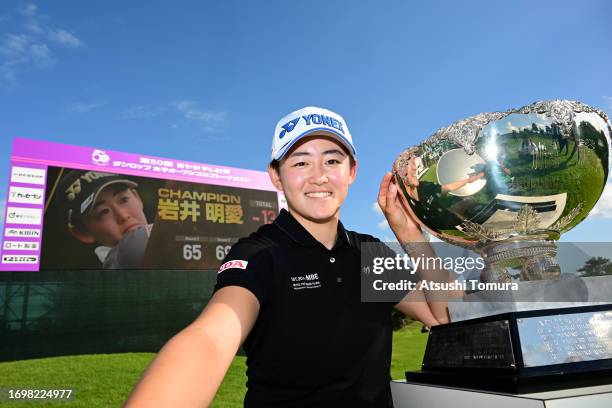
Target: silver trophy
506,185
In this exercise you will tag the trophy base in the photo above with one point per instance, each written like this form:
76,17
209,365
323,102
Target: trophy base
522,352
509,382
534,295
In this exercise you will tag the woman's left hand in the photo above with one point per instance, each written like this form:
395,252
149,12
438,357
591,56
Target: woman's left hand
400,219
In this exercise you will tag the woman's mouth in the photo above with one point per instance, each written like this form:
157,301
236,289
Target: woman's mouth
131,228
318,194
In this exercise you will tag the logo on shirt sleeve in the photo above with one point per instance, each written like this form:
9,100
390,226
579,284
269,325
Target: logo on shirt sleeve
237,263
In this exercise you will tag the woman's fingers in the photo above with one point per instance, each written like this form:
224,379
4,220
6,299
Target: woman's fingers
383,191
391,196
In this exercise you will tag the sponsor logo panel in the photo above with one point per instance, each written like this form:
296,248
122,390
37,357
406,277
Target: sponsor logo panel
25,195
18,215
27,175
20,246
19,259
22,232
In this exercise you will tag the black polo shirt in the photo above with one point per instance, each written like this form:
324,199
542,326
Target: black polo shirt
314,342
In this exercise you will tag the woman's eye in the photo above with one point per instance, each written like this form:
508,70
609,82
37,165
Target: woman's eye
102,213
300,164
333,161
124,199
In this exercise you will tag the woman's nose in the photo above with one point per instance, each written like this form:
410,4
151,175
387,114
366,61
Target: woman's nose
122,214
319,175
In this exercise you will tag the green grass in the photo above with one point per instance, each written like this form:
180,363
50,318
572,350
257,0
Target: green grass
105,380
408,348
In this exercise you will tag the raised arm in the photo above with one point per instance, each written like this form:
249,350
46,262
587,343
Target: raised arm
189,369
455,185
407,231
415,305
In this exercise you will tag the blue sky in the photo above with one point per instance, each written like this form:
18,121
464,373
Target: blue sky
207,80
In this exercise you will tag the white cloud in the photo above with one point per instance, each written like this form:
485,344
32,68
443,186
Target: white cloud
80,107
211,122
603,208
204,115
382,224
63,37
142,112
376,208
41,55
20,50
14,46
191,116
510,127
31,47
211,129
33,26
190,110
185,104
29,10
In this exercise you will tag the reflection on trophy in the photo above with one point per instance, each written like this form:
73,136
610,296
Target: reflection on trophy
527,174
506,185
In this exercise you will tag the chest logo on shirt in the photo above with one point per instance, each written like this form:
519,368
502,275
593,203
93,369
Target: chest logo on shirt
310,281
237,263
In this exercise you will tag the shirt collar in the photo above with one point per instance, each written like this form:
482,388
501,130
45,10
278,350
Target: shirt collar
301,236
102,252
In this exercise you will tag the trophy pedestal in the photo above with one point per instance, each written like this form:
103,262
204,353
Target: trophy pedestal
520,352
512,383
416,395
559,294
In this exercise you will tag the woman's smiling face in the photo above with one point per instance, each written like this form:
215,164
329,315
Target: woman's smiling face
116,213
315,176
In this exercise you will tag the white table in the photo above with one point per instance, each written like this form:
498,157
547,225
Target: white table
408,395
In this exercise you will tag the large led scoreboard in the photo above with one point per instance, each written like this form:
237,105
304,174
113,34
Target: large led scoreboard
191,212
105,251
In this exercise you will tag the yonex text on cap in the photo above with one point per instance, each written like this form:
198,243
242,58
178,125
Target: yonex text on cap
308,121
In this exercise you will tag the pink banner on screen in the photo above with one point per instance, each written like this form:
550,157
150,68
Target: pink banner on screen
88,158
32,160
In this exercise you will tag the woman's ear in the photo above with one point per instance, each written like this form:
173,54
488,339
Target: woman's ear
82,234
353,171
273,172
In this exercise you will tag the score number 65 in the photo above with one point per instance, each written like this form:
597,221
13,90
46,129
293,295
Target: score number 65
193,252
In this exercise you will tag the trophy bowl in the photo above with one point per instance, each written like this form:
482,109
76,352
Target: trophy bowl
494,181
507,185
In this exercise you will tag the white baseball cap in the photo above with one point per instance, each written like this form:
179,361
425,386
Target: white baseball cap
308,121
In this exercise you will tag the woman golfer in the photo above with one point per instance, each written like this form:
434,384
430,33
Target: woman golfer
290,293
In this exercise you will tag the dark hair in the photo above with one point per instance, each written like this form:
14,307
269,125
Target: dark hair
275,164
